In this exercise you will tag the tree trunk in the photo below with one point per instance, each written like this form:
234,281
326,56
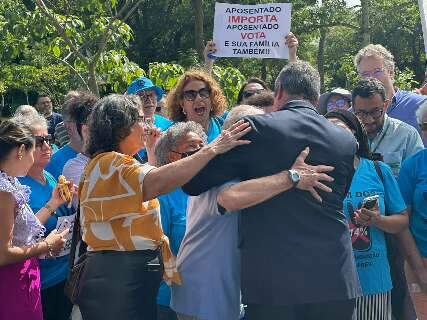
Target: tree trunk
92,83
321,58
198,25
264,70
365,28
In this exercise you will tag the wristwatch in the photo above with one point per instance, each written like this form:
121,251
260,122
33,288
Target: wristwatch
294,176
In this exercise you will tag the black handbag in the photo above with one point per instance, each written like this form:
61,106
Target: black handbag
78,256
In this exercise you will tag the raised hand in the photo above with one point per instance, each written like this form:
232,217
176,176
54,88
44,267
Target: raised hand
229,138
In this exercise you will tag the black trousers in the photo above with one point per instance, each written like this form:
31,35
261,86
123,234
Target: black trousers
334,310
56,305
165,313
120,285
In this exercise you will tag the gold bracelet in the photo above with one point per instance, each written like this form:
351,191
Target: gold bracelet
49,209
49,248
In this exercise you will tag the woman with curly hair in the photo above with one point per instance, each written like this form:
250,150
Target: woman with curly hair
197,97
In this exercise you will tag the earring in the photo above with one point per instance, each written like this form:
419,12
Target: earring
183,111
20,156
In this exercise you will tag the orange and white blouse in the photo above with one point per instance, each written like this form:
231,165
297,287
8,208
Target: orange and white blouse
113,214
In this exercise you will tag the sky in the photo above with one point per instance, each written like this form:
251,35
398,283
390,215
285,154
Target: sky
352,2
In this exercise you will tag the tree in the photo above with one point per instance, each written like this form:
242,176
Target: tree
87,42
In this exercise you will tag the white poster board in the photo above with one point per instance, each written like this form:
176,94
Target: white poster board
252,31
423,11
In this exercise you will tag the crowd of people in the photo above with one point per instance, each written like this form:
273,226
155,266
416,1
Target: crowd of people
289,205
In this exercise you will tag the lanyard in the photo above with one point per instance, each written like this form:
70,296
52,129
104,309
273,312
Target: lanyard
383,133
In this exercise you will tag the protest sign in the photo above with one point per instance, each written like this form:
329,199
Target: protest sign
423,10
252,31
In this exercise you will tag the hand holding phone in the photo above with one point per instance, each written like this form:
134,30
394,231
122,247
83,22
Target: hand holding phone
370,202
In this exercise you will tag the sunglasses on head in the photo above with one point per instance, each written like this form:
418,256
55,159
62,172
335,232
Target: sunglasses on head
186,154
191,95
339,103
40,140
247,94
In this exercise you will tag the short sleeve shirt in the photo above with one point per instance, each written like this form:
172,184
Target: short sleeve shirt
413,185
368,243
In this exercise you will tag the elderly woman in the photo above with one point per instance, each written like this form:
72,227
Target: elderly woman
120,214
197,97
21,232
368,225
179,141
208,259
53,271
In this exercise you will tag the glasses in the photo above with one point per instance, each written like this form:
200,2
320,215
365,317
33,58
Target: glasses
186,154
247,94
378,72
40,140
191,95
147,96
375,114
339,103
423,126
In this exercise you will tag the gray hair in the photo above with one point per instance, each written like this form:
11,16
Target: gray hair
421,111
299,79
171,137
24,110
31,120
375,50
238,113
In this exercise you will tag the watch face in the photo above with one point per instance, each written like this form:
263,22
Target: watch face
295,177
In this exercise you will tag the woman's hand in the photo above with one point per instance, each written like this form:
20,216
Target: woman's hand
311,176
56,241
367,217
229,138
56,200
209,50
152,137
292,42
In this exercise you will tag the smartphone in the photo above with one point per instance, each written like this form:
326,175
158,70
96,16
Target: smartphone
369,202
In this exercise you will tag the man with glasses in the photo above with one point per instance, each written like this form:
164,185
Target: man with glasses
71,111
377,62
389,138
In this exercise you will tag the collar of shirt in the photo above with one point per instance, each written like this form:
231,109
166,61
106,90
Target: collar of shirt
299,104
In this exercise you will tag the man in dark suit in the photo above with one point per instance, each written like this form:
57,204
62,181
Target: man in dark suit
296,255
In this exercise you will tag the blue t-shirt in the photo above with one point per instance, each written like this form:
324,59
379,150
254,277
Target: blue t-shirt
59,159
413,185
52,271
369,244
172,210
215,128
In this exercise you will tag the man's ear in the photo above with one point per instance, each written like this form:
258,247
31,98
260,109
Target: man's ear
172,156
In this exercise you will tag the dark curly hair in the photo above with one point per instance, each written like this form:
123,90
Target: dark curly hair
174,98
78,108
249,81
367,88
13,135
110,122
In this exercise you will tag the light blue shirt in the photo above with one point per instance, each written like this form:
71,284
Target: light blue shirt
369,244
59,159
397,141
52,271
413,185
208,262
172,210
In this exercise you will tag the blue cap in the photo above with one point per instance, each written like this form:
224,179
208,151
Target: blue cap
143,83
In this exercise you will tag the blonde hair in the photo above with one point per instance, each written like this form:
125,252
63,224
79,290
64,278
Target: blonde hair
375,50
175,96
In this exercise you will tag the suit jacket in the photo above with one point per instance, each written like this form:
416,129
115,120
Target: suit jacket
293,249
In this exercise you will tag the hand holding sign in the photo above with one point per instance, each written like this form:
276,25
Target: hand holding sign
254,31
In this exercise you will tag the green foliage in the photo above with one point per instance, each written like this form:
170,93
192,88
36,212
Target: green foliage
165,75
404,79
230,80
